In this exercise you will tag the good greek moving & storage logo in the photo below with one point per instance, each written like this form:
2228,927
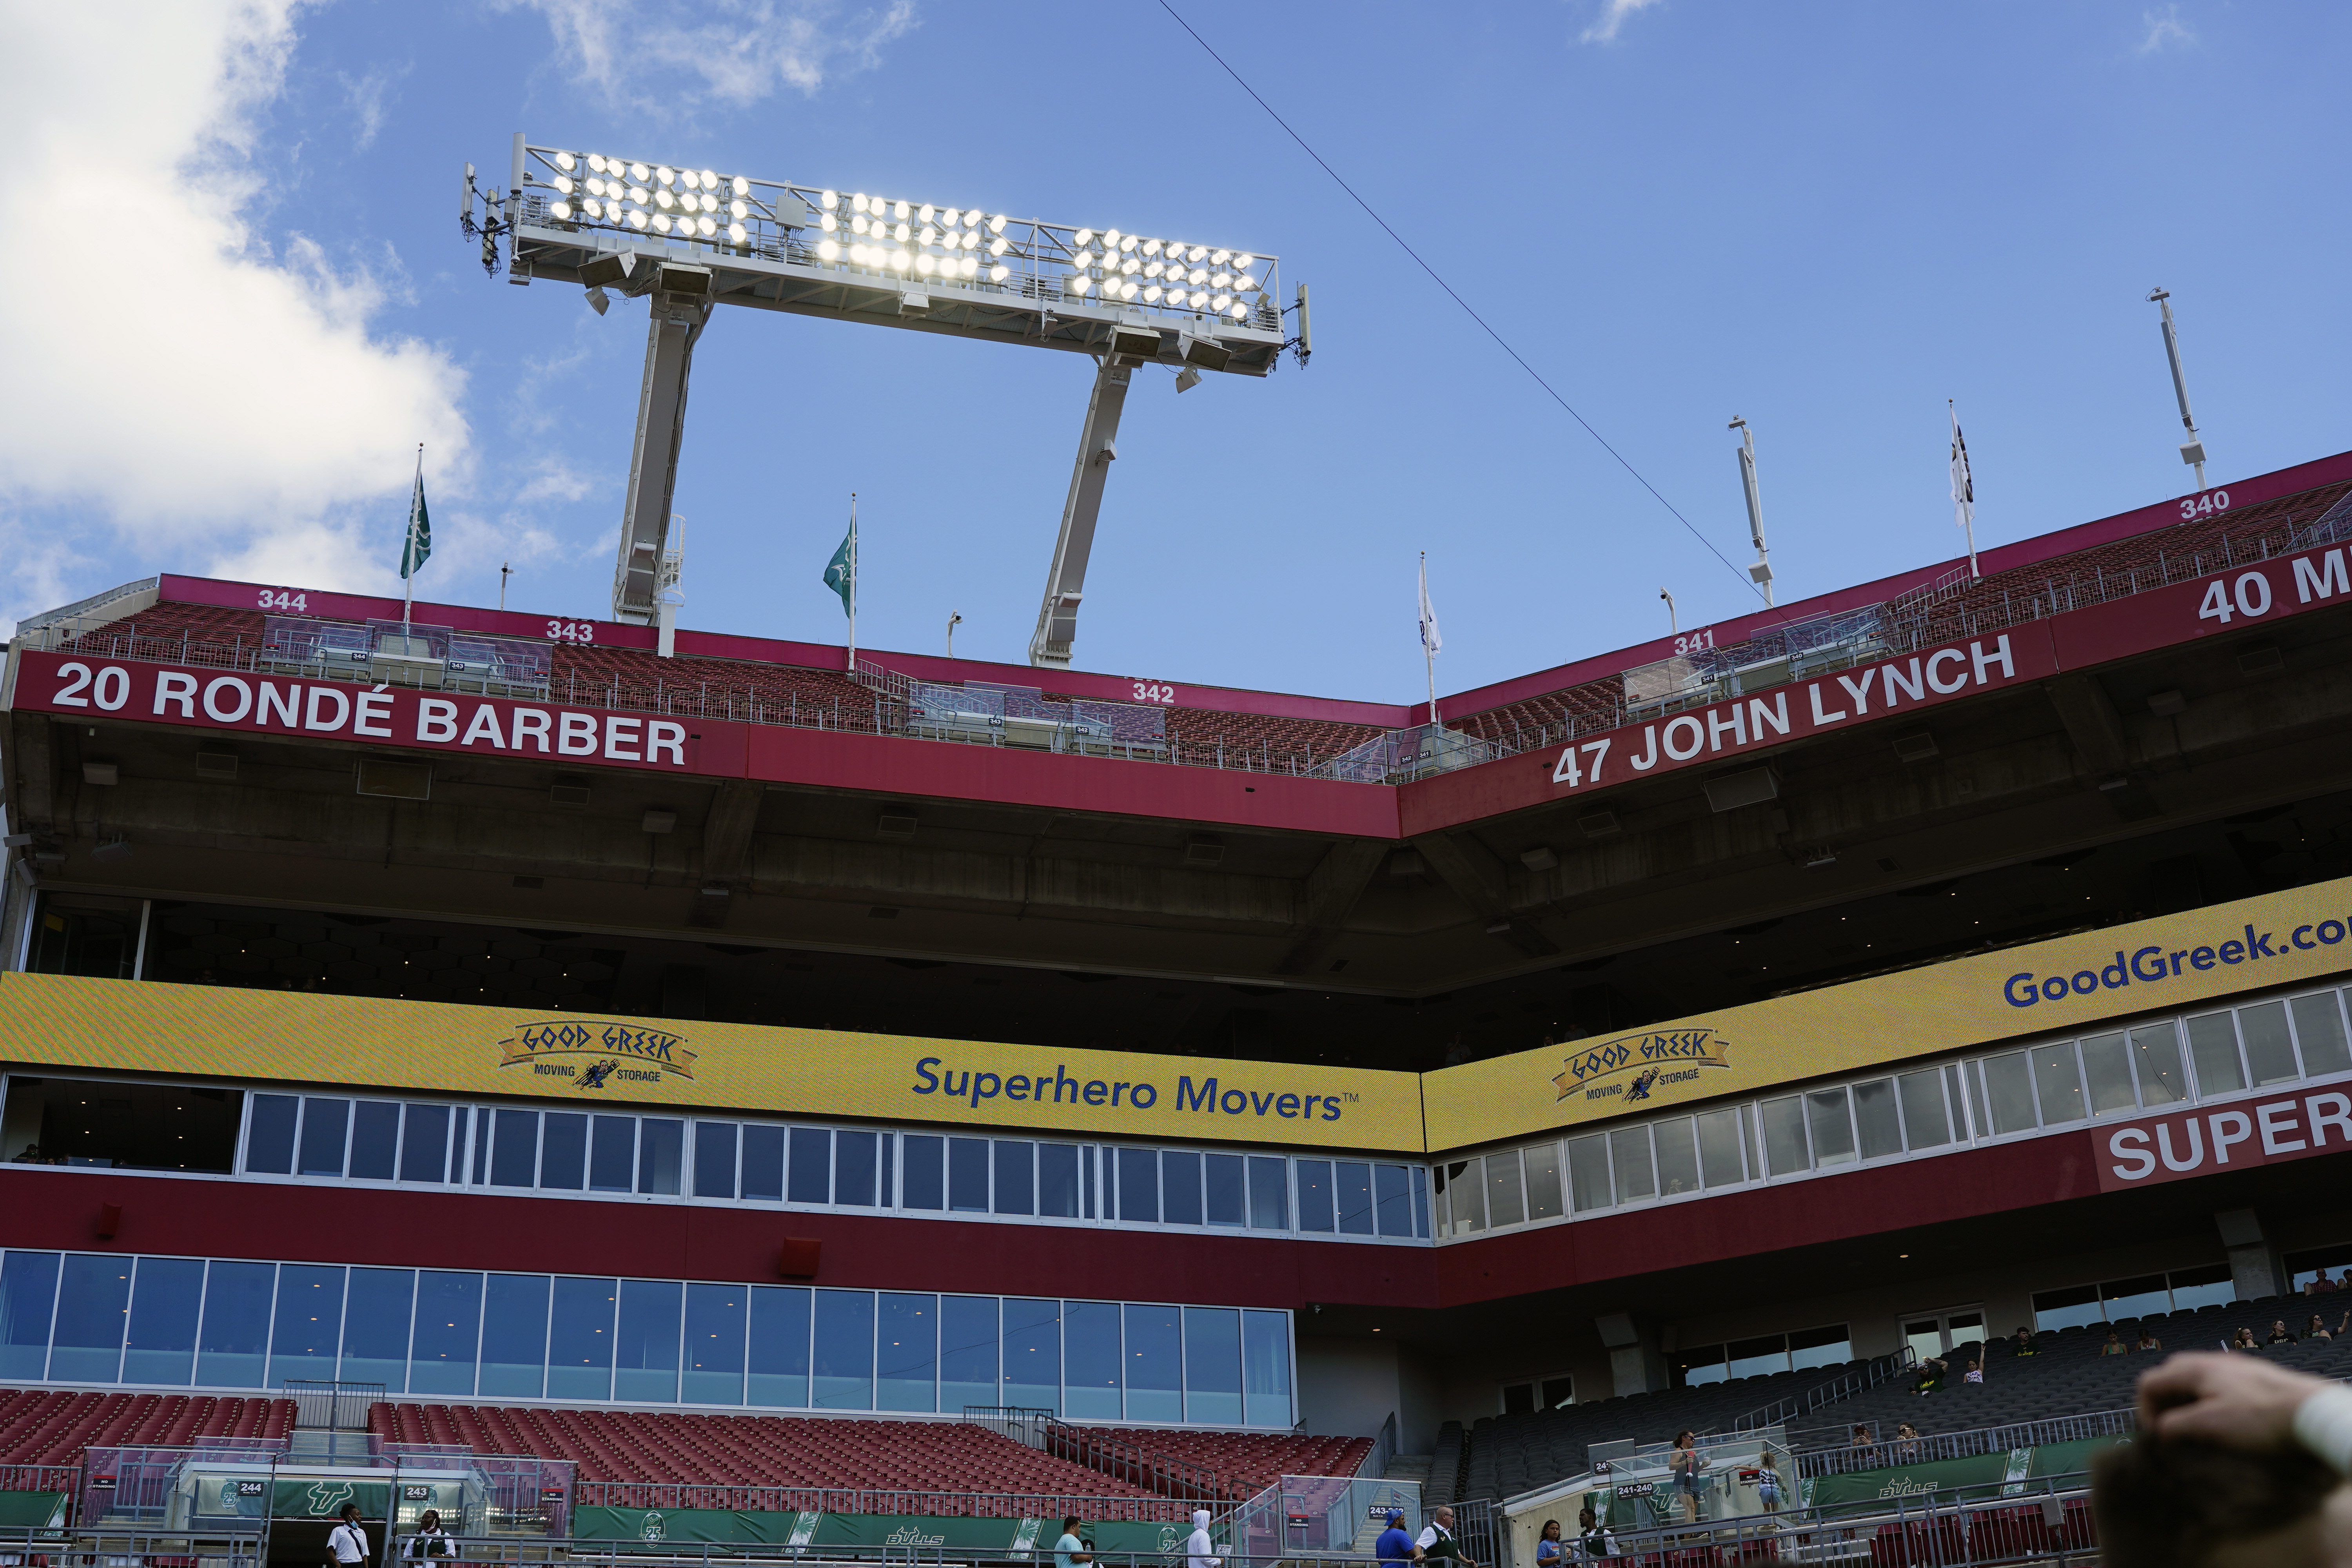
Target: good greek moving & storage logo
1631,1069
2162,961
628,1052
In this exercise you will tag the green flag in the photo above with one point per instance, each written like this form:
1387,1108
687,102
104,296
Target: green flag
841,571
418,547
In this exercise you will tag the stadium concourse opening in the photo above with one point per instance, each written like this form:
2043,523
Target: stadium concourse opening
639,1081
2166,869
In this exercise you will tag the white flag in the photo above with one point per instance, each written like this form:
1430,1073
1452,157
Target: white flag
1430,641
1964,491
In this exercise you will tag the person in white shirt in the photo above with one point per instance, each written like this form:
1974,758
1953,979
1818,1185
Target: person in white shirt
347,1544
1437,1540
1198,1548
430,1543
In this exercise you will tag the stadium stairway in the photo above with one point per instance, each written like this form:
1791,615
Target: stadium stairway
1246,1463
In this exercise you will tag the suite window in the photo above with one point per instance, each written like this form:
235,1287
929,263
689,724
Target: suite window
714,1159
843,1355
1059,1190
645,1350
1180,1181
2319,1030
1016,1177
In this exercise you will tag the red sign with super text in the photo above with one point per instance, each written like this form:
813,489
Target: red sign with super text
2179,1144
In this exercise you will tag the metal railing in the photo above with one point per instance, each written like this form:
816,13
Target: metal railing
79,607
39,1477
1946,609
332,1407
877,703
941,1503
646,1553
1384,1449
1121,1461
1319,1514
21,1547
1892,1364
1833,1459
2046,1521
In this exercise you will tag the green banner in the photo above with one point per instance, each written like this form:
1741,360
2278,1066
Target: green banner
1939,1477
32,1511
2068,1459
1016,1538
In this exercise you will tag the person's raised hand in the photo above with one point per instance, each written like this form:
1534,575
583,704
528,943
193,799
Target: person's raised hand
2236,1401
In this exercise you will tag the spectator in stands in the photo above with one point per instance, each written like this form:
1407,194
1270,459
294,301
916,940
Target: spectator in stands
1594,1544
429,1542
2024,1341
1975,1373
1437,1541
1768,1481
1548,1545
2147,1341
1862,1438
1395,1544
347,1544
1906,1441
1070,1551
1688,1470
2115,1345
2237,1462
2244,1339
2319,1284
2318,1328
2278,1334
1199,1552
1931,1376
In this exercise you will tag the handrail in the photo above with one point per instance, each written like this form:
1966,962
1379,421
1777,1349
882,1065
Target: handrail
68,612
1835,1459
1894,1364
1137,1466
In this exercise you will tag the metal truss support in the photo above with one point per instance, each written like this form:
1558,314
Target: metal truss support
677,322
1066,581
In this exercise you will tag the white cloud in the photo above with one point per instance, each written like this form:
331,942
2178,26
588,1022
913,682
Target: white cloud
2166,30
366,96
742,50
1603,28
173,375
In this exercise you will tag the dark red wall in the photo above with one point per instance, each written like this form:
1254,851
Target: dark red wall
41,1208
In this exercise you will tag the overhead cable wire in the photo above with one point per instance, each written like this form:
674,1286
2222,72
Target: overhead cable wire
1516,358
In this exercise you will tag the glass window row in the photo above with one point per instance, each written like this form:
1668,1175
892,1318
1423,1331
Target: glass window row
2149,1296
233,1324
1830,1345
2049,1086
315,1136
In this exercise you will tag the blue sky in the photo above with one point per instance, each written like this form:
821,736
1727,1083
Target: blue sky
1828,219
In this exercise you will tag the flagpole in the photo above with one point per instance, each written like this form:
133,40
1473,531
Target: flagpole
1428,659
853,581
1967,509
408,553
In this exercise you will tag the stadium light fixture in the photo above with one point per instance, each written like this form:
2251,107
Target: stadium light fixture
1762,572
2192,451
691,238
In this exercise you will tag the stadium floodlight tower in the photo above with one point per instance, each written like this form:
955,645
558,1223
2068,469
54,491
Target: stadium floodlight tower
692,240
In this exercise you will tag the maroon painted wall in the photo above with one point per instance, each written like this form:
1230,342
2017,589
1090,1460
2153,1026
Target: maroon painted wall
41,1208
